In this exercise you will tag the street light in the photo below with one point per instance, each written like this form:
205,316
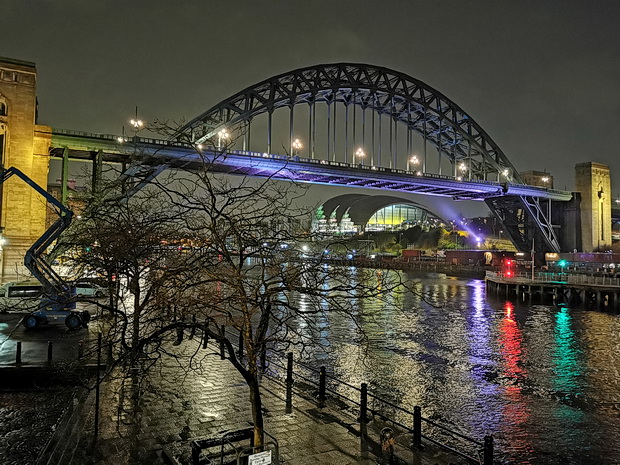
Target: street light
296,147
222,134
413,161
359,153
136,123
123,137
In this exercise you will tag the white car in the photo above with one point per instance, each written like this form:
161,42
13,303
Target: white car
90,290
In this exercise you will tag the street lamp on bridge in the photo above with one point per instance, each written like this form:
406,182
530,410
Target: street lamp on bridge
412,161
359,153
223,134
296,146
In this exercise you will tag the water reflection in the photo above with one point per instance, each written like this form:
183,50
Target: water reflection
515,412
544,380
567,369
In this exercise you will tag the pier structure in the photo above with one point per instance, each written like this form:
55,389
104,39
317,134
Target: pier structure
558,288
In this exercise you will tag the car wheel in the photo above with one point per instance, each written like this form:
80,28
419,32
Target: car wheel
31,321
99,294
73,321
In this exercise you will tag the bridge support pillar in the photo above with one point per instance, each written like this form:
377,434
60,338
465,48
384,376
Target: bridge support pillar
593,182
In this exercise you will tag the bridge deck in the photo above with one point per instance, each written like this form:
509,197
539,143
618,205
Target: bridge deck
156,151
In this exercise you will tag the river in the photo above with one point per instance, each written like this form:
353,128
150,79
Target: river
544,380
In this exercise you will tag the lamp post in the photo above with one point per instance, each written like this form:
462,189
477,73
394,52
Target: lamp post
296,146
123,137
462,169
412,161
359,153
223,134
136,125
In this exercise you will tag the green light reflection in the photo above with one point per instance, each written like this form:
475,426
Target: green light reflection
567,360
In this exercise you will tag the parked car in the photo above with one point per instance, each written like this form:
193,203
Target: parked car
90,290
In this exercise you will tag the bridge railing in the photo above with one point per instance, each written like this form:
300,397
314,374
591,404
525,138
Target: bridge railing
557,278
167,143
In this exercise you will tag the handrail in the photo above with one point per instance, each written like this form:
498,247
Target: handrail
555,278
445,429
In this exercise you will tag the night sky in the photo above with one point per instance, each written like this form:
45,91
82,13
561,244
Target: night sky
541,77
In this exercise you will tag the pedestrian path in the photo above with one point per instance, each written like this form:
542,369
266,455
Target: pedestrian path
178,404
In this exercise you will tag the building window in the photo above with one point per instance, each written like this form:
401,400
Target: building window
2,108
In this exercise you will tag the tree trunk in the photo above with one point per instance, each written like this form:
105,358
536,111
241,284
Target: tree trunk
135,290
257,412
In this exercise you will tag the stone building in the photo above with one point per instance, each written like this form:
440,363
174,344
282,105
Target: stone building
24,144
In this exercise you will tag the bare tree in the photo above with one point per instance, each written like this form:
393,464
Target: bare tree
246,255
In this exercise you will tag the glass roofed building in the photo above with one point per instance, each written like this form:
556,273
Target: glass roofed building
356,213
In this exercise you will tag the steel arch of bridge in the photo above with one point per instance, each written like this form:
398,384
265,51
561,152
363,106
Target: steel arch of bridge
422,109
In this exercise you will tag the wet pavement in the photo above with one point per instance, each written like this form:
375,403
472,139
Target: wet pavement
34,342
157,426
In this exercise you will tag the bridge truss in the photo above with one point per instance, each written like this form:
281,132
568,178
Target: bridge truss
367,126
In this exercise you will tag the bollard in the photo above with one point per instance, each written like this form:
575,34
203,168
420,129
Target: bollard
205,340
417,427
193,331
387,446
18,353
363,403
488,450
289,382
179,330
50,348
322,387
363,419
80,349
240,352
222,333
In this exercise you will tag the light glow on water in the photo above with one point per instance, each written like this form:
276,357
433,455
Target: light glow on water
543,380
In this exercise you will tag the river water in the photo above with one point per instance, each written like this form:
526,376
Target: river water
544,380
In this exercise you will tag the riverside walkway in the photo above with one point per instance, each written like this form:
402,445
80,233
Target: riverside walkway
177,405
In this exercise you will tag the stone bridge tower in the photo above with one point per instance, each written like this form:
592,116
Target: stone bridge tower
593,182
24,145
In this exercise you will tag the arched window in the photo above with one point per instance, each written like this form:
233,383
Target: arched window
2,108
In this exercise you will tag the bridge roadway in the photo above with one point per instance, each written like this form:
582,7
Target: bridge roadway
87,146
